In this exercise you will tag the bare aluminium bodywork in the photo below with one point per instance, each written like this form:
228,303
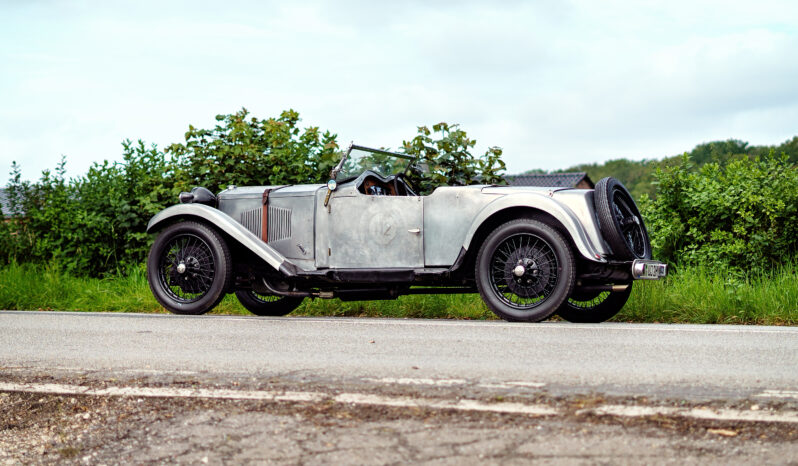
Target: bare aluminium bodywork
367,234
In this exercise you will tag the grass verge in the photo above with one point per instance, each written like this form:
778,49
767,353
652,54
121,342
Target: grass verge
702,296
691,295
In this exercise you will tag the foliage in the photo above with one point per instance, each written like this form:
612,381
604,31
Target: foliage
743,215
450,162
720,151
250,152
789,148
638,175
95,224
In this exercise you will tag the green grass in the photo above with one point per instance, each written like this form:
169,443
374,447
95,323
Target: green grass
697,295
28,287
692,295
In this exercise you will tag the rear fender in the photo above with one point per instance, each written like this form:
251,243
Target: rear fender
227,225
564,215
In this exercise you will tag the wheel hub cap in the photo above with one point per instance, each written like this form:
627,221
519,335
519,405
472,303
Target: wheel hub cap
525,274
524,270
181,268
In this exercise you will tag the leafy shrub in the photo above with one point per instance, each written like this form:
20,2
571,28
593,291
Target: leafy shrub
743,215
450,160
95,224
247,151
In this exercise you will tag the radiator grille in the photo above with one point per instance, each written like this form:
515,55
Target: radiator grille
252,220
279,223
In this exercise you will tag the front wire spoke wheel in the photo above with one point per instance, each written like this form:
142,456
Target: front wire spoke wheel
189,268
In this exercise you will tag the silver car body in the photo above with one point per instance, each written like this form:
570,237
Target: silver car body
366,234
363,231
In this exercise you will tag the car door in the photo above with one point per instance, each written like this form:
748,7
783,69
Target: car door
366,231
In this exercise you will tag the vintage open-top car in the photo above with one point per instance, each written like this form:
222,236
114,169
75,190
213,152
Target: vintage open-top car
368,234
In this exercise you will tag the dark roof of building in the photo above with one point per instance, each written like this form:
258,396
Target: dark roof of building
5,208
5,204
558,180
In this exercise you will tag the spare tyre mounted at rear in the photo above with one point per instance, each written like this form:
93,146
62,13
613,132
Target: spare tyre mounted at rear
620,221
623,229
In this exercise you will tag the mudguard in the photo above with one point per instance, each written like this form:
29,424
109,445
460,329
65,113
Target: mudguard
559,211
229,226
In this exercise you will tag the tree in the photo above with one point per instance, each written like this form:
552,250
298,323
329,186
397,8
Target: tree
248,151
95,224
719,151
448,156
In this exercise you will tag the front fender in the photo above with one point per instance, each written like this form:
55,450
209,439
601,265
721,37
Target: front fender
229,226
560,212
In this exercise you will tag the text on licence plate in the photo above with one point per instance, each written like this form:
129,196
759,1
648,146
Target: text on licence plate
654,271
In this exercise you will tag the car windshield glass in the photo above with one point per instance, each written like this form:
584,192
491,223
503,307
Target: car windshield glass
383,162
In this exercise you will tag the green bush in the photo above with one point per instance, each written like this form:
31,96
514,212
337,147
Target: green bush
449,159
742,215
246,151
95,225
90,225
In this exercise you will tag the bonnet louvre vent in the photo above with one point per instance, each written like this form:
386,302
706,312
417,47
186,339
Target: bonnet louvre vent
279,223
252,220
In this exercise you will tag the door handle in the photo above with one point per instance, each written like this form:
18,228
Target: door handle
415,231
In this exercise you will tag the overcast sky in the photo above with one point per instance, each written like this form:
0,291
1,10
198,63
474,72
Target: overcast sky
554,83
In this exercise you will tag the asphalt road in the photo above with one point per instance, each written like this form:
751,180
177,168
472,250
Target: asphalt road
685,361
139,388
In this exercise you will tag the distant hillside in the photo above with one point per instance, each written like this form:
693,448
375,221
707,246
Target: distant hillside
637,175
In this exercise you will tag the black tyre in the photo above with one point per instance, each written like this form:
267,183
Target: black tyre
593,307
620,221
524,271
267,305
189,268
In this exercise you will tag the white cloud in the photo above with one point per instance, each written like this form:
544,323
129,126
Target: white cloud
554,83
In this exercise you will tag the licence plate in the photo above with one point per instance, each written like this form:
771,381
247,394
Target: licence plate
649,270
654,271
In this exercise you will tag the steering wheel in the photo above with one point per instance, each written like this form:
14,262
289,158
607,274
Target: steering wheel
405,185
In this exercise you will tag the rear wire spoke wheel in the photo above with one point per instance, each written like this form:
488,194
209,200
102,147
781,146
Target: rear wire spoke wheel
593,307
189,268
524,270
620,221
267,305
